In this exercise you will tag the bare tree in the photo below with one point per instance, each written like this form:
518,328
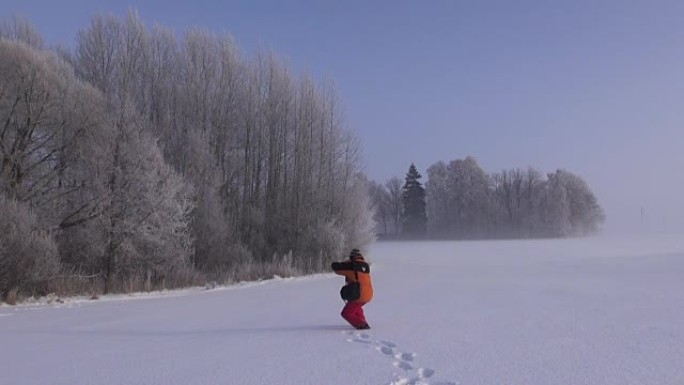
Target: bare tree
146,211
165,153
28,255
438,201
575,209
461,199
19,29
380,202
96,51
394,187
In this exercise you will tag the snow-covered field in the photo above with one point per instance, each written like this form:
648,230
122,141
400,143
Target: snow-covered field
604,311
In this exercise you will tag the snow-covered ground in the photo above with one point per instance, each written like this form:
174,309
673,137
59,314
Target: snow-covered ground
604,311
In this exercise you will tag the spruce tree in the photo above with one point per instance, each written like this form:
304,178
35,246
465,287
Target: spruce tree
414,219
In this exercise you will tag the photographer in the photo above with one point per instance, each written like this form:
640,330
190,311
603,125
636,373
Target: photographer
358,290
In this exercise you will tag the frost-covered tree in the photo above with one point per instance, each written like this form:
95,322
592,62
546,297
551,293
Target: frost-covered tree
517,196
28,255
96,52
37,128
394,188
150,155
387,205
358,225
145,218
380,203
555,208
439,201
571,207
464,202
267,153
19,29
459,198
469,192
91,173
508,192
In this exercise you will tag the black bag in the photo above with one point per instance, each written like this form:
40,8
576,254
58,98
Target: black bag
350,291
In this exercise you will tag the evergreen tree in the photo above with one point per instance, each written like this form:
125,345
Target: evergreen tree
414,219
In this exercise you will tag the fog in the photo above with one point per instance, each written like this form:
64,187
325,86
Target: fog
574,311
640,187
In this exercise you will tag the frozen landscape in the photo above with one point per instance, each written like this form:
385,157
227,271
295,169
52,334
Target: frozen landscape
605,311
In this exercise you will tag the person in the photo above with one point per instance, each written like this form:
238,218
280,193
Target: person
358,290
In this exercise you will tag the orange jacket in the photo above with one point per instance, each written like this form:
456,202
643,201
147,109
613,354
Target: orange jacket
362,269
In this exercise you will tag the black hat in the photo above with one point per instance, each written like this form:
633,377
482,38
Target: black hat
355,253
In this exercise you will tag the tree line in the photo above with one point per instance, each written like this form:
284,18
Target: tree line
140,160
461,201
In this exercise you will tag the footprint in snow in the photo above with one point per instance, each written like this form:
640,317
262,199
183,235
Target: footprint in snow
425,372
386,350
403,365
358,337
401,360
406,356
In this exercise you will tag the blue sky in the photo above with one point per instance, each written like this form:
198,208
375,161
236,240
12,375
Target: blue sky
595,87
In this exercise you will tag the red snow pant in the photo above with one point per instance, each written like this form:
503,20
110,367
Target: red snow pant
353,313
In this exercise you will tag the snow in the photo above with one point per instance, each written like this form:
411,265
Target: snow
605,311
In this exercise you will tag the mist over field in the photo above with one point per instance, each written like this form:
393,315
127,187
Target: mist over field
591,311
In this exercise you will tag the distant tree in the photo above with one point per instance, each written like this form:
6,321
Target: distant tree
555,218
380,204
394,188
580,211
532,191
516,198
508,187
468,186
464,202
413,199
355,221
438,202
459,200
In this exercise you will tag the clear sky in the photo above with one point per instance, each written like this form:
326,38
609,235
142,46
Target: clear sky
595,87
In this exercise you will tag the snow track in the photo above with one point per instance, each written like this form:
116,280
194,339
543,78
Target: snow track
407,374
